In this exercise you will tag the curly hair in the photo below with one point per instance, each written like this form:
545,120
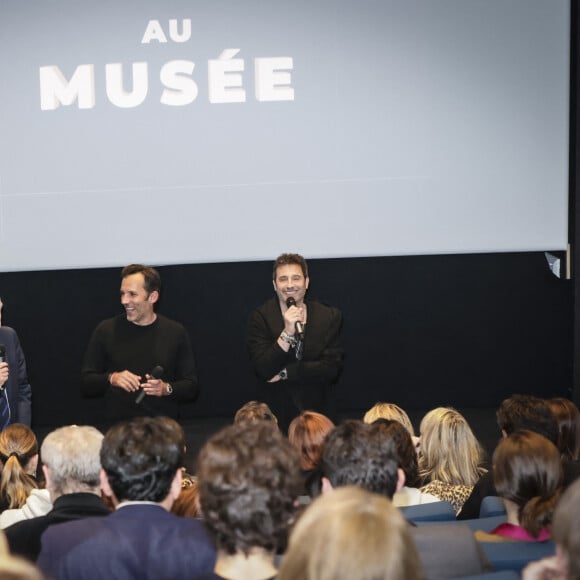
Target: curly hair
18,445
249,478
307,432
141,457
527,470
450,451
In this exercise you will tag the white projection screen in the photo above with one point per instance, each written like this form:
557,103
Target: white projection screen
171,131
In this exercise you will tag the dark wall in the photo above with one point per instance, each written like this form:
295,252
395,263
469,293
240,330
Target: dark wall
463,330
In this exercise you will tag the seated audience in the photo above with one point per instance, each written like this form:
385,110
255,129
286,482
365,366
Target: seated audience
451,457
249,480
527,472
408,494
71,466
392,412
519,412
565,565
187,503
352,534
254,411
306,433
19,460
568,419
141,471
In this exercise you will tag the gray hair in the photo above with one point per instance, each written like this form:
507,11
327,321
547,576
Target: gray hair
72,455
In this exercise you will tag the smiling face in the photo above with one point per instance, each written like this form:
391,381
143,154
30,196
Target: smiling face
136,301
290,281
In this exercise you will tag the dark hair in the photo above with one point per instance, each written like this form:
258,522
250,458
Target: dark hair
527,470
249,479
526,412
255,411
289,259
307,432
355,453
404,446
141,457
568,419
151,278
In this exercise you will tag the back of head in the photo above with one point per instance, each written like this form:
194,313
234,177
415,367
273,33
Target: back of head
255,411
72,455
141,457
527,470
18,448
450,451
526,412
566,529
351,533
306,433
568,420
249,479
355,453
404,447
389,411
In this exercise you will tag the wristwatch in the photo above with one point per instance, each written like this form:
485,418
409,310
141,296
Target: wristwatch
168,389
283,374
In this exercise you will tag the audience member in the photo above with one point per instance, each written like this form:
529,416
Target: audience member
519,412
568,419
306,433
187,503
15,568
19,458
255,411
527,471
352,534
451,457
141,471
392,412
565,565
71,466
249,480
408,494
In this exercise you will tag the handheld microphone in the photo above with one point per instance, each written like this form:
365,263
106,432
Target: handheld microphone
298,325
2,353
156,373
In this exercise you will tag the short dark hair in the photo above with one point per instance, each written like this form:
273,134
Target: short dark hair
151,277
404,447
527,412
141,457
288,259
255,411
249,478
355,453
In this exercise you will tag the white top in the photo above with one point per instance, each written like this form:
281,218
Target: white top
412,496
37,504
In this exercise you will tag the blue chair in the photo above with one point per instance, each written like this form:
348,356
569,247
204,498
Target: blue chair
491,505
503,575
516,555
439,511
484,524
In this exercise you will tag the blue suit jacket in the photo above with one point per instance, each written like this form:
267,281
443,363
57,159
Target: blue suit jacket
17,387
139,541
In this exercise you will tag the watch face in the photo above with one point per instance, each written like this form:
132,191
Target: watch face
169,389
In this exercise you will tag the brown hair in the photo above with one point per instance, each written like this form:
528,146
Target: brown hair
287,260
307,432
527,470
566,529
151,277
255,411
18,445
568,418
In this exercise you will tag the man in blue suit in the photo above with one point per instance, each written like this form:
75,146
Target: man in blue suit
141,472
15,391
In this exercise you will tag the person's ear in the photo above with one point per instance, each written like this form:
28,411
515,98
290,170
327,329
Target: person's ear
326,485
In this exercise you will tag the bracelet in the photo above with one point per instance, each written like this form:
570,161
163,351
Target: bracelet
288,339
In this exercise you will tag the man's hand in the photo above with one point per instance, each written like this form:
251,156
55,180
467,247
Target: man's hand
155,387
3,373
125,380
293,315
275,379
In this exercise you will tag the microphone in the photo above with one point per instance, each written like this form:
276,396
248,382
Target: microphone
298,325
156,373
2,353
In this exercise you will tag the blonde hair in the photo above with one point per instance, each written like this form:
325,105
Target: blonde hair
389,411
450,451
351,533
18,445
